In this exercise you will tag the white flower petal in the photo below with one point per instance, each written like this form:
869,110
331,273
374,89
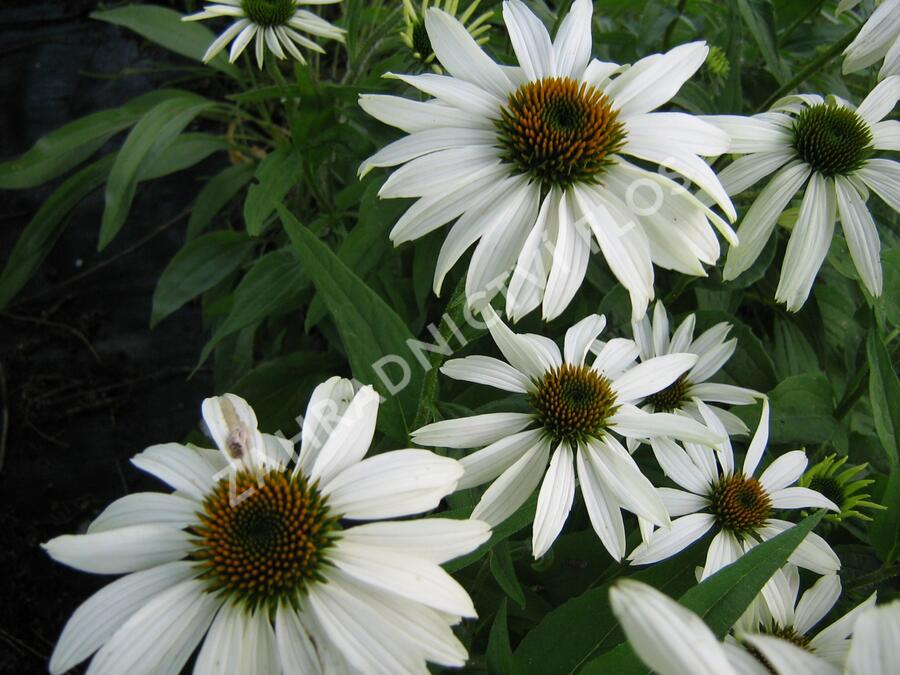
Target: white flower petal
602,508
523,355
615,356
349,441
412,116
651,376
681,503
513,487
724,549
883,177
530,41
424,142
144,508
581,336
392,484
435,539
623,476
801,498
758,442
179,466
813,553
554,500
667,542
817,602
457,93
487,370
751,134
881,100
489,462
570,259
723,393
296,650
474,431
785,657
785,470
861,234
875,649
678,466
634,423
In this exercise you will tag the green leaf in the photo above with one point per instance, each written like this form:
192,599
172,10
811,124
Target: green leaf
793,355
184,152
499,651
196,268
71,144
760,20
722,598
505,573
371,332
165,27
151,136
44,229
751,365
220,190
274,177
272,286
584,627
802,410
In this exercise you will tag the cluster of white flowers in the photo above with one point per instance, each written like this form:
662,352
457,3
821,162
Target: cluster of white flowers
259,556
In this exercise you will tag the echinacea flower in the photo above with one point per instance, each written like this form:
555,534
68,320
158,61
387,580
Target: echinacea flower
276,25
878,38
792,622
716,495
263,557
712,349
842,488
533,162
576,409
415,36
826,149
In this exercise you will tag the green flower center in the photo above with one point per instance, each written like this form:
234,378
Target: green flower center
671,398
559,131
833,140
573,402
269,13
828,487
265,547
740,504
420,41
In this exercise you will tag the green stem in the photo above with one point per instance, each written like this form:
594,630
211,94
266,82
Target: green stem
834,50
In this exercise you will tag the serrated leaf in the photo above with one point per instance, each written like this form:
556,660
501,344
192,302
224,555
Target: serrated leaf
273,178
165,27
213,197
197,267
43,230
72,143
149,138
371,332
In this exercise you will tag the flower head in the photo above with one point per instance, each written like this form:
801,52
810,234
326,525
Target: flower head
779,615
261,553
415,35
718,496
841,488
276,25
712,349
577,410
828,150
535,162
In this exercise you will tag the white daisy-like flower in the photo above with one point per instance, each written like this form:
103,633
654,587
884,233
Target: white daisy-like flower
879,38
781,616
576,409
826,149
673,640
712,349
875,649
532,162
718,496
277,25
263,557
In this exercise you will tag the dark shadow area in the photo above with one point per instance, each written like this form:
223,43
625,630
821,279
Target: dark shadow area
84,383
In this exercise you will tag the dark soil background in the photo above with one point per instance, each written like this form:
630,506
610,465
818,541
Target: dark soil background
84,383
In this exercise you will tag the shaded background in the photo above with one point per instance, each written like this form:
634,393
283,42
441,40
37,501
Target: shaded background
84,383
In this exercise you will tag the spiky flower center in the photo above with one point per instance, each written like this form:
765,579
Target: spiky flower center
573,402
671,398
739,503
833,140
828,487
269,13
267,546
559,131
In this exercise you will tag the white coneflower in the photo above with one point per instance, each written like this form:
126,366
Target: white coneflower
533,162
826,149
878,38
415,36
276,25
266,562
576,411
716,495
781,616
712,349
